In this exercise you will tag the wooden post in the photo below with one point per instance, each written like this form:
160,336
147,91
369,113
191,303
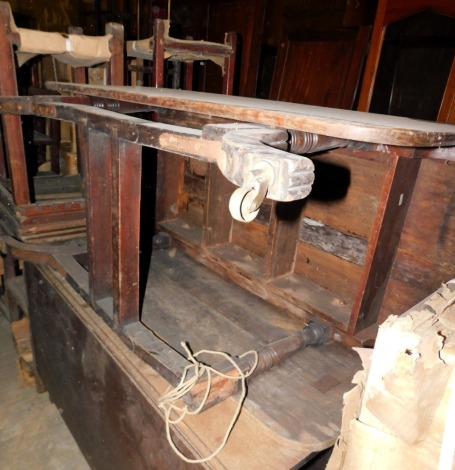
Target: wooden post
97,160
126,197
115,69
371,67
12,128
3,165
282,239
10,267
54,131
384,237
217,223
169,185
78,74
158,54
188,76
229,64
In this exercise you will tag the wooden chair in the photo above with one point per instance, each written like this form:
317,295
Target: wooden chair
388,13
26,217
48,208
161,48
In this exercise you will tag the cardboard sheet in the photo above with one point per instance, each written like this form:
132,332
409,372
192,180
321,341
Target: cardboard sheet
401,413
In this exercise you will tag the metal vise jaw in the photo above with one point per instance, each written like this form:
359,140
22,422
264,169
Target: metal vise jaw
255,159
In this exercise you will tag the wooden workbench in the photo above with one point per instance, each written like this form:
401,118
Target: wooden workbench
228,285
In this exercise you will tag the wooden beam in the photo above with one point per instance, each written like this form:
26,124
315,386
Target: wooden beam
282,240
12,128
384,237
97,162
126,197
115,66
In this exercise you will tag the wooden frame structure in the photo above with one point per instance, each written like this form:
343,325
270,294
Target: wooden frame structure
39,208
27,218
161,47
331,63
382,236
388,12
383,154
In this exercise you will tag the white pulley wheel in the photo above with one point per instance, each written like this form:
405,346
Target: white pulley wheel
240,203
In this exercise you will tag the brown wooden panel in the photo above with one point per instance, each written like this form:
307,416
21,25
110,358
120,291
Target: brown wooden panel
346,190
388,12
53,234
282,238
396,10
332,241
328,271
396,196
43,208
251,237
170,180
217,223
320,67
292,16
126,204
246,19
55,217
58,224
426,253
398,295
312,299
411,47
194,188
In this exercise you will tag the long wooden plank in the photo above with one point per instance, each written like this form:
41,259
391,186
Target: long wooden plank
385,235
115,66
12,128
126,204
350,125
97,161
177,139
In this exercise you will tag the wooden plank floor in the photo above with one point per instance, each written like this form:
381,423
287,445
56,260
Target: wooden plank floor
300,400
33,435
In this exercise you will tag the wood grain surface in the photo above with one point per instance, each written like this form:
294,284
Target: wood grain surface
351,125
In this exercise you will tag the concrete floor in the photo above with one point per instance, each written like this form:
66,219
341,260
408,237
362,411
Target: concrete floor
33,435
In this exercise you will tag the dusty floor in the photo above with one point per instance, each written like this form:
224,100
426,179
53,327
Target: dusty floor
33,435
